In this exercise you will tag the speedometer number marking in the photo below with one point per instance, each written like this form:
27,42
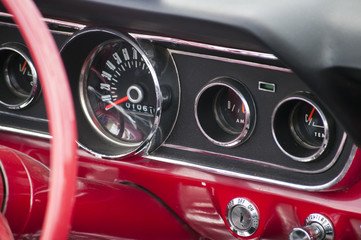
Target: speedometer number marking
105,86
125,54
106,75
110,65
106,98
117,58
135,54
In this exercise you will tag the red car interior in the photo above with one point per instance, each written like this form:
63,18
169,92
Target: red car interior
180,120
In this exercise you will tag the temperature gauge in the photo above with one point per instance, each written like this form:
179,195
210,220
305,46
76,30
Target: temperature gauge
225,112
301,128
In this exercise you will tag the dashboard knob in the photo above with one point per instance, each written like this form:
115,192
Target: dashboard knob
316,227
242,217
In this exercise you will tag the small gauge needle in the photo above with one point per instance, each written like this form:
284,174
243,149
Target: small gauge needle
23,68
242,108
311,114
119,101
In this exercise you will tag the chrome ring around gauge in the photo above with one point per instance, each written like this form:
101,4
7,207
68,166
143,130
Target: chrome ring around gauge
19,85
225,112
119,93
119,84
300,128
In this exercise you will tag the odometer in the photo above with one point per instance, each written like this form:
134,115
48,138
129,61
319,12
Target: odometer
119,93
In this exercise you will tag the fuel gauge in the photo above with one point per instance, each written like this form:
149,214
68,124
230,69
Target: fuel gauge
19,84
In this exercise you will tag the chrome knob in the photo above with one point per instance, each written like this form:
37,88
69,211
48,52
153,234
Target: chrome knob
242,217
315,227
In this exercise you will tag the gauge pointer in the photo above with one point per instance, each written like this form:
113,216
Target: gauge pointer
311,114
23,68
119,108
119,101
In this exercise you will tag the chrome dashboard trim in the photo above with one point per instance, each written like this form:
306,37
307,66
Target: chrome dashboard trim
228,173
266,164
25,132
72,26
205,46
322,187
25,117
230,60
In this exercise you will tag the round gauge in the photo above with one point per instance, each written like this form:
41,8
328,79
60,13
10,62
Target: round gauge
301,128
119,93
230,118
19,84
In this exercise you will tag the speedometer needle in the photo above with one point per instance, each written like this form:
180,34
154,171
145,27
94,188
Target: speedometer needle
119,101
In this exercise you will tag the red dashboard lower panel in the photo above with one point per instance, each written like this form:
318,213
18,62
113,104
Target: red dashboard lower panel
102,210
107,207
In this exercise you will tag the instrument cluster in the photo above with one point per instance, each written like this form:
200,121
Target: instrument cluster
232,112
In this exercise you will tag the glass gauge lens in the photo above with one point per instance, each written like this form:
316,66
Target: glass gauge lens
307,125
18,81
225,112
18,75
230,111
118,92
301,128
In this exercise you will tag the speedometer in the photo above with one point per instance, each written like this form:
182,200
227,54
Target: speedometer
126,92
119,93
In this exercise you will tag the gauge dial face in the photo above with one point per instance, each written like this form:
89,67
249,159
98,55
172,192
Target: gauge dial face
307,125
18,81
18,75
118,93
300,128
230,111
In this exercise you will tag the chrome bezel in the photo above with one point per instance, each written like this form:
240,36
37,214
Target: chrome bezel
250,118
326,224
250,208
325,141
130,148
16,48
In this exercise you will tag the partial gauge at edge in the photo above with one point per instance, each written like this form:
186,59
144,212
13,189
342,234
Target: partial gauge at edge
120,93
19,85
225,112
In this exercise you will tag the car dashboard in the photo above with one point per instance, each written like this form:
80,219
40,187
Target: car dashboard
239,125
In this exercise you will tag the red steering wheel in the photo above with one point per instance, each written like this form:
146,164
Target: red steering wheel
60,110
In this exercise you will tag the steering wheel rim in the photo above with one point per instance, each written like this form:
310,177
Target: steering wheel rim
61,115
